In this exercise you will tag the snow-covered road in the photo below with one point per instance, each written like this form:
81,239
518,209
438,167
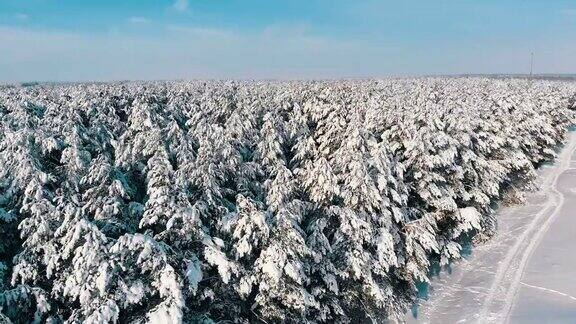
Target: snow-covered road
525,273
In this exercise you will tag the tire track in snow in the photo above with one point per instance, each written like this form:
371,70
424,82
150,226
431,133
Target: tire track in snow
549,290
513,290
554,201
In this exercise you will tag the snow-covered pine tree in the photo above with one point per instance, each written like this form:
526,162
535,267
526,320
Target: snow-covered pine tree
281,273
365,234
143,282
255,201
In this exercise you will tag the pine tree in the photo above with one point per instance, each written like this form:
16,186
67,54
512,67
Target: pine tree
233,201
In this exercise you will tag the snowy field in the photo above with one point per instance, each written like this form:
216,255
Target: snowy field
305,202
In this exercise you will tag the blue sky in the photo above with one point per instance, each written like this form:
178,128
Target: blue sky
65,40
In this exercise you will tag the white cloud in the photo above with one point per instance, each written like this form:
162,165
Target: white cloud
21,16
568,12
138,20
201,31
286,29
180,5
289,51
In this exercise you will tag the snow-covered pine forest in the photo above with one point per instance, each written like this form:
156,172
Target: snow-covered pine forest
237,202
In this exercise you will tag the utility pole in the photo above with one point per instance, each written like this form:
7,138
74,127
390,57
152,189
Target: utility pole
531,63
